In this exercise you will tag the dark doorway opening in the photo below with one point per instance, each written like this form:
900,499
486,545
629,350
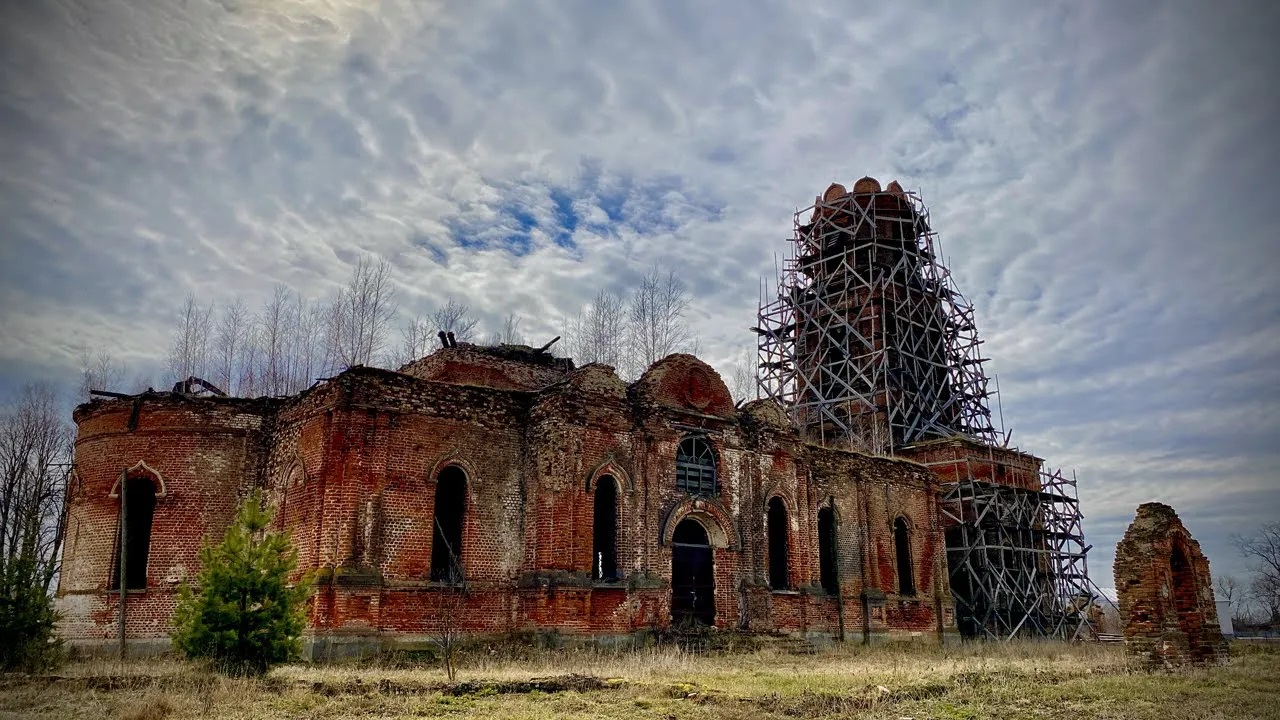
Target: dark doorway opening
777,527
902,546
446,542
139,496
692,575
971,609
1190,620
827,549
604,553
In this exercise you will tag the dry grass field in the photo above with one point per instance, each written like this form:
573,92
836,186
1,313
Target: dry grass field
1029,680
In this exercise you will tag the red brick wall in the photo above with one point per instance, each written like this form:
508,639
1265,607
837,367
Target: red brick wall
1165,592
202,456
352,465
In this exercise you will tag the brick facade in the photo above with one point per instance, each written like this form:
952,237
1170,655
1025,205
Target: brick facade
352,465
1162,579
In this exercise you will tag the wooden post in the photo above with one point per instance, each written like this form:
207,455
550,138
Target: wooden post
124,536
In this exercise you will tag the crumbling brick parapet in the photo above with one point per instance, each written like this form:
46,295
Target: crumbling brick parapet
1166,593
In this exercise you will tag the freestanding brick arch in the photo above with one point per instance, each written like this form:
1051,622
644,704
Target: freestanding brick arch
1166,593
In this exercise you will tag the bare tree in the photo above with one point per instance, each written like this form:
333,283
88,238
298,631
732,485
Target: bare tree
35,451
230,339
307,356
745,370
248,383
360,312
417,338
142,381
188,353
598,334
454,317
451,598
510,333
656,319
1226,587
273,343
1262,550
99,371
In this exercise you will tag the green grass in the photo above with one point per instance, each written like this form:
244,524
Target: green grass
1026,680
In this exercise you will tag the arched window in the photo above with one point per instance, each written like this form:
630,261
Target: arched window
696,467
139,505
902,548
446,543
777,528
827,549
604,544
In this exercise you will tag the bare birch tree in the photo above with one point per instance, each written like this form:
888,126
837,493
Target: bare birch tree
745,369
656,320
248,383
416,340
230,339
360,313
307,356
273,343
189,350
99,371
509,333
598,334
455,317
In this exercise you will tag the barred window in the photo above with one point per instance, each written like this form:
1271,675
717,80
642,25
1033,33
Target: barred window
696,467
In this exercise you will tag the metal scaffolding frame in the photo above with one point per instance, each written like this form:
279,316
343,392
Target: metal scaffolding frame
1016,556
869,345
868,342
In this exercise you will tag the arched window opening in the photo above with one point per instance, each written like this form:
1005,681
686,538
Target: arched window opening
692,575
696,467
827,549
902,547
604,546
777,529
446,543
139,505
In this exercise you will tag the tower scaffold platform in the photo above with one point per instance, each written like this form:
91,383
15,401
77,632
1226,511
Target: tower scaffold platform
867,342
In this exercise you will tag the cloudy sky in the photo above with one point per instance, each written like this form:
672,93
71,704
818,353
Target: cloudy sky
1102,175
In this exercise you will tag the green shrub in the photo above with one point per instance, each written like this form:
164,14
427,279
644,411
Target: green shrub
26,621
243,614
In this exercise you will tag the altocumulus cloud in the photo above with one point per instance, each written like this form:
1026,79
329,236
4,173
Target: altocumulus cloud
1103,176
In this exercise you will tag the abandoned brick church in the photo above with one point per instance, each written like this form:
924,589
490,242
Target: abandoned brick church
559,497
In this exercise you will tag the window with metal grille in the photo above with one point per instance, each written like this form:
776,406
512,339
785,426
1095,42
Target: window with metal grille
696,467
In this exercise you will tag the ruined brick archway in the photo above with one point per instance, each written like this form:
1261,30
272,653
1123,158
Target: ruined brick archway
1166,593
692,574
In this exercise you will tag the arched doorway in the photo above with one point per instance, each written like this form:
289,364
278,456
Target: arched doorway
1185,603
692,575
140,506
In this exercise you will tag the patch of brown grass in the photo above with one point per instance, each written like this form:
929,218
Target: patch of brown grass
1023,680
